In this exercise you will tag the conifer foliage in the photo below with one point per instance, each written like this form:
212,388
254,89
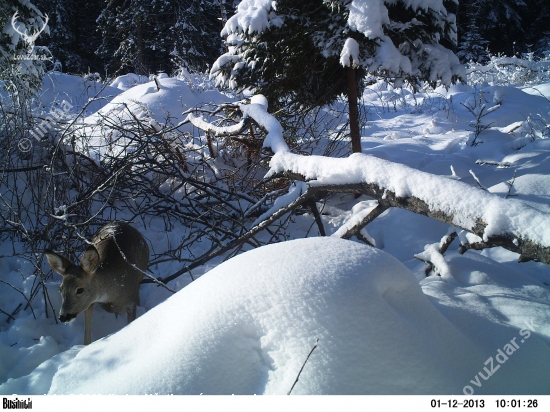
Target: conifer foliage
312,51
160,35
401,40
502,27
73,37
21,61
398,40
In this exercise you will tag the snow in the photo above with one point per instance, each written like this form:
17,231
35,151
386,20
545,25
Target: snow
259,99
359,212
147,103
539,90
371,16
367,17
127,81
274,138
77,91
247,325
388,57
252,16
350,53
143,100
250,323
451,197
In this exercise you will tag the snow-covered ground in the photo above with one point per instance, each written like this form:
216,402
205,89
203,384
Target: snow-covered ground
247,325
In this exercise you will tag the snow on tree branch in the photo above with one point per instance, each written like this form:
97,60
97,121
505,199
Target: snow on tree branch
201,123
350,53
509,223
512,223
252,16
398,40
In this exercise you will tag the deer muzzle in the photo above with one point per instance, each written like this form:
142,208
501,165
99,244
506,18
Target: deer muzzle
67,317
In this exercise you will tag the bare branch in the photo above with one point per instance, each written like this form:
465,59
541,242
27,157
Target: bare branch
303,365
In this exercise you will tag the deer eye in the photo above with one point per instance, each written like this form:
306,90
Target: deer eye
79,291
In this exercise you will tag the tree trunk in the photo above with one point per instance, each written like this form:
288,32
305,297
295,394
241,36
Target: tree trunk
140,48
353,111
223,12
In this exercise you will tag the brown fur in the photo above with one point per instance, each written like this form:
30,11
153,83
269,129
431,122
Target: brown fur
104,276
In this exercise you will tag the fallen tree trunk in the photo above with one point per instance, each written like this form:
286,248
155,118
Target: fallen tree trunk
508,223
528,249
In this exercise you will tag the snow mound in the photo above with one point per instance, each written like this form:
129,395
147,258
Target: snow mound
154,104
164,99
127,81
531,188
77,91
539,90
247,326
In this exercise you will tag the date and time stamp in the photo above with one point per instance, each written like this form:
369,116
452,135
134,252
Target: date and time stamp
494,403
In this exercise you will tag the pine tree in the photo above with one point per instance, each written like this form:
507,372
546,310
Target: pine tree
197,43
537,13
283,61
500,23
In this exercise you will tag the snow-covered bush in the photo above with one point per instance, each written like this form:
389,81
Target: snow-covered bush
510,71
136,162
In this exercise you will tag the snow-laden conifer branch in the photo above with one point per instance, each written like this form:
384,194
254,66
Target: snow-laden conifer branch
509,223
200,123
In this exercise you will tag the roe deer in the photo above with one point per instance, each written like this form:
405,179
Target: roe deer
104,276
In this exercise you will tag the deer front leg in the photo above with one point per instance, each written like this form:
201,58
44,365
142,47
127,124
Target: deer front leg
88,325
131,313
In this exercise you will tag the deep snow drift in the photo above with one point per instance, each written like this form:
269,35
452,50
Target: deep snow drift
247,326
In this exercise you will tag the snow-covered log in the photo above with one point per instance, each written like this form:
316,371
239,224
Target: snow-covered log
509,223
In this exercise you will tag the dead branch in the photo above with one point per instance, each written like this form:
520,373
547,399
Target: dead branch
315,211
528,249
355,230
443,246
516,242
241,240
303,365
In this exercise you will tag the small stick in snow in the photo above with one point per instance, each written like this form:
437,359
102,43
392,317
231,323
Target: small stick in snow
493,163
12,314
477,180
313,206
302,368
511,185
443,246
157,83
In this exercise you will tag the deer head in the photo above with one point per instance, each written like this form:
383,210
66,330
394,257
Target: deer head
29,39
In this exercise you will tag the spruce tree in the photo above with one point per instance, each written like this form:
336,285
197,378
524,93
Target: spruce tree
160,35
500,24
73,36
196,38
293,51
21,61
537,14
472,46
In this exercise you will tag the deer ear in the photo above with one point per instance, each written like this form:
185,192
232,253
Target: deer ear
90,260
57,262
